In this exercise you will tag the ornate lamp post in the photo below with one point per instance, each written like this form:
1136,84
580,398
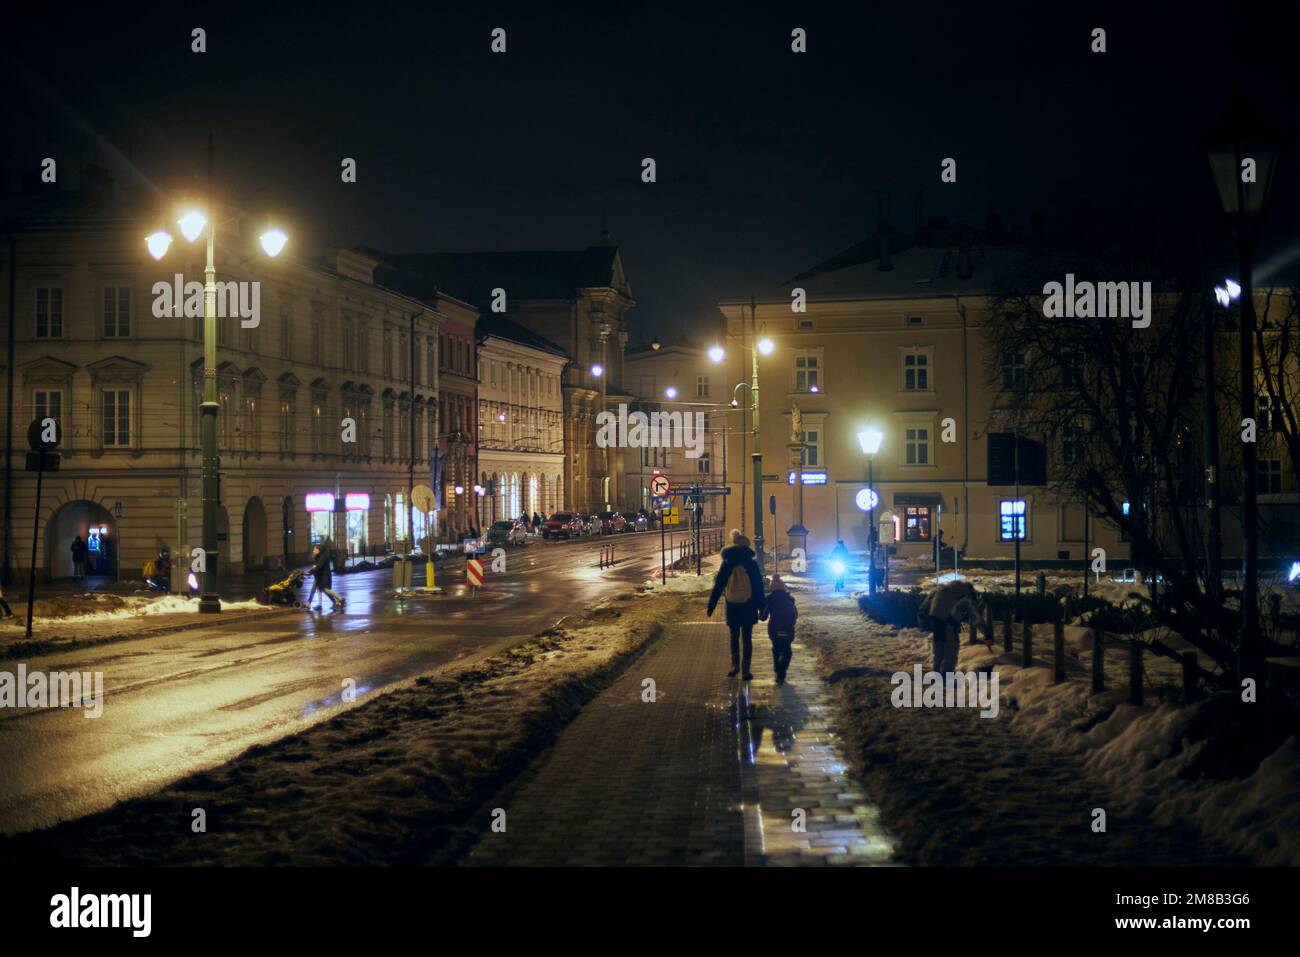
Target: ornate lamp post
870,440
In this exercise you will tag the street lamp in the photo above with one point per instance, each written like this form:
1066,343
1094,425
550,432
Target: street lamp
597,370
671,392
1243,161
870,440
192,224
717,354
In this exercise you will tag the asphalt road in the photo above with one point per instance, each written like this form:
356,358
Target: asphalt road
181,702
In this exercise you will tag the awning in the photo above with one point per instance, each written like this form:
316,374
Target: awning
904,499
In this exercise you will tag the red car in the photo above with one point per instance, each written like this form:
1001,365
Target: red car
562,525
611,522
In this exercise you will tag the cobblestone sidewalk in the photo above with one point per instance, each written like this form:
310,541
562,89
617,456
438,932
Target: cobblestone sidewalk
710,772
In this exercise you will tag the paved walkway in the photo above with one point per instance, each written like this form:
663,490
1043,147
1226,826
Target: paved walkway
710,772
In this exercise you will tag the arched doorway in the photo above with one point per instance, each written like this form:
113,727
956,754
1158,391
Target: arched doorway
254,534
97,529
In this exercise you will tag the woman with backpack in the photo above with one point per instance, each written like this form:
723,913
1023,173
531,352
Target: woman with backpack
740,580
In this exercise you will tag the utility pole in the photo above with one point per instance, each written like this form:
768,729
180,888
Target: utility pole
1249,456
209,601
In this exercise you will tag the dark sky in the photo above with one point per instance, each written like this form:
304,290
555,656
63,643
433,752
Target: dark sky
767,160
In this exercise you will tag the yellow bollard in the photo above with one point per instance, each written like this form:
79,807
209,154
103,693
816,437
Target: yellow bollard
428,571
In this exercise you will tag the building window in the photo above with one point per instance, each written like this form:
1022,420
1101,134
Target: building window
251,426
807,372
916,372
916,523
117,311
116,417
1270,414
1072,442
388,352
317,341
49,312
917,446
812,448
48,403
286,425
1012,520
1270,476
701,387
703,464
1071,369
1013,370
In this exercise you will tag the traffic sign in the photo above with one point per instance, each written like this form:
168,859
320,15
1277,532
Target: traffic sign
474,573
422,497
671,516
659,485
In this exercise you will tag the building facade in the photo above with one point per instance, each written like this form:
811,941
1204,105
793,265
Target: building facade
520,421
327,404
682,381
576,299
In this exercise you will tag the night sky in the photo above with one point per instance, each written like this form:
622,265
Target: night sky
768,161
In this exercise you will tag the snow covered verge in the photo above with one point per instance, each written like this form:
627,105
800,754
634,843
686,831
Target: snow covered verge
400,779
1179,783
72,621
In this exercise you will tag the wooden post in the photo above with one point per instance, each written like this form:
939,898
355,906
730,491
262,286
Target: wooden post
1190,687
1098,669
1058,651
974,632
1134,672
1006,631
988,626
1026,645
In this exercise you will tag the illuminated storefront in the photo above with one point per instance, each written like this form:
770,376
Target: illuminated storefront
320,512
358,521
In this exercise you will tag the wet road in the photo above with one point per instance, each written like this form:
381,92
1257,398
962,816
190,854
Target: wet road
180,702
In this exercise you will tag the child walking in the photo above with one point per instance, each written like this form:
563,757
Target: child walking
781,613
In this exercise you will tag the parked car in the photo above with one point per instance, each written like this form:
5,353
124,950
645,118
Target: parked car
611,522
562,525
506,532
633,522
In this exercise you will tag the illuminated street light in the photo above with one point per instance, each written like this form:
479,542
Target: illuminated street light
1222,296
598,370
158,243
192,224
717,354
671,392
766,346
273,241
870,439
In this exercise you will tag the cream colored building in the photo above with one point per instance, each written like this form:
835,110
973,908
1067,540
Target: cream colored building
682,380
900,350
520,421
332,346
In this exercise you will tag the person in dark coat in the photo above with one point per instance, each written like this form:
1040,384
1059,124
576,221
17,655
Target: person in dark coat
781,614
537,524
943,613
78,550
322,577
742,583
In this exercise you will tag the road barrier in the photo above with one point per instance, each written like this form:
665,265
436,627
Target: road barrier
606,556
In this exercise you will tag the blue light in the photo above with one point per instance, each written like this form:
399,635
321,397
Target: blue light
1294,573
837,567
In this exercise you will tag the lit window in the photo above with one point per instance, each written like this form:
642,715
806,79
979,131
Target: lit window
1012,520
916,527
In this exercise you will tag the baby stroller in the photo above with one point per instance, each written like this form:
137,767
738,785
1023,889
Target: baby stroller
284,592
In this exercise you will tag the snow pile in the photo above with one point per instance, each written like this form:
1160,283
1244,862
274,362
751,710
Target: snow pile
96,607
401,778
1165,764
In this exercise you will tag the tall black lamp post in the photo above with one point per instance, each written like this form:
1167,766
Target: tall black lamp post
1243,161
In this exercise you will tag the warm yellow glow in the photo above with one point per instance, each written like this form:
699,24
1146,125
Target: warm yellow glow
192,224
273,241
158,243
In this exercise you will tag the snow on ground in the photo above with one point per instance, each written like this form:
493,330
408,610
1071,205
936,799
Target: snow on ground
398,779
1020,788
